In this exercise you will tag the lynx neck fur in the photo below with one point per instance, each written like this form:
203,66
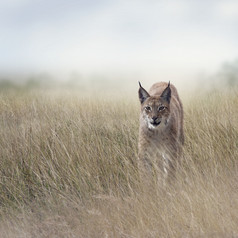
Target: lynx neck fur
161,128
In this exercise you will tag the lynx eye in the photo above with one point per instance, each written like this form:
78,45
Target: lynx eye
148,108
161,108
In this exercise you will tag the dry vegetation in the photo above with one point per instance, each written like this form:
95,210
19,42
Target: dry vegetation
68,168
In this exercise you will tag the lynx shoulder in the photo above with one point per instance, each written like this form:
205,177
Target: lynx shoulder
161,133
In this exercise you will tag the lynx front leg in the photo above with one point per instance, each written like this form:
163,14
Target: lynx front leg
169,167
145,165
165,165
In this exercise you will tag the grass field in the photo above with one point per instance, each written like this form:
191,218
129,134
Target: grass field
68,168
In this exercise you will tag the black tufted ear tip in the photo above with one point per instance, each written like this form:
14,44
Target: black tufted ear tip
143,94
166,95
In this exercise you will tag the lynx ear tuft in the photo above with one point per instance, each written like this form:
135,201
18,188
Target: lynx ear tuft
143,94
166,95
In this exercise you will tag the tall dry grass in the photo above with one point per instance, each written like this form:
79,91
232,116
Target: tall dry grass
68,168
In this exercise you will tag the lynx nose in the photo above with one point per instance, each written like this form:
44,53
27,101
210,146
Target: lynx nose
154,119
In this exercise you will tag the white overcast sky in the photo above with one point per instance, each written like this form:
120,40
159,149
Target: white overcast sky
160,37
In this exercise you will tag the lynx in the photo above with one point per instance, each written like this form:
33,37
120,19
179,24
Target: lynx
161,128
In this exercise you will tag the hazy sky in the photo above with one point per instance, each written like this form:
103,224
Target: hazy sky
162,37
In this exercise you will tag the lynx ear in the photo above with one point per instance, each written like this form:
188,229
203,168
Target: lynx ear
143,95
166,95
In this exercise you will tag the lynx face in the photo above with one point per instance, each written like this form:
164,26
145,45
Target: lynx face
155,112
